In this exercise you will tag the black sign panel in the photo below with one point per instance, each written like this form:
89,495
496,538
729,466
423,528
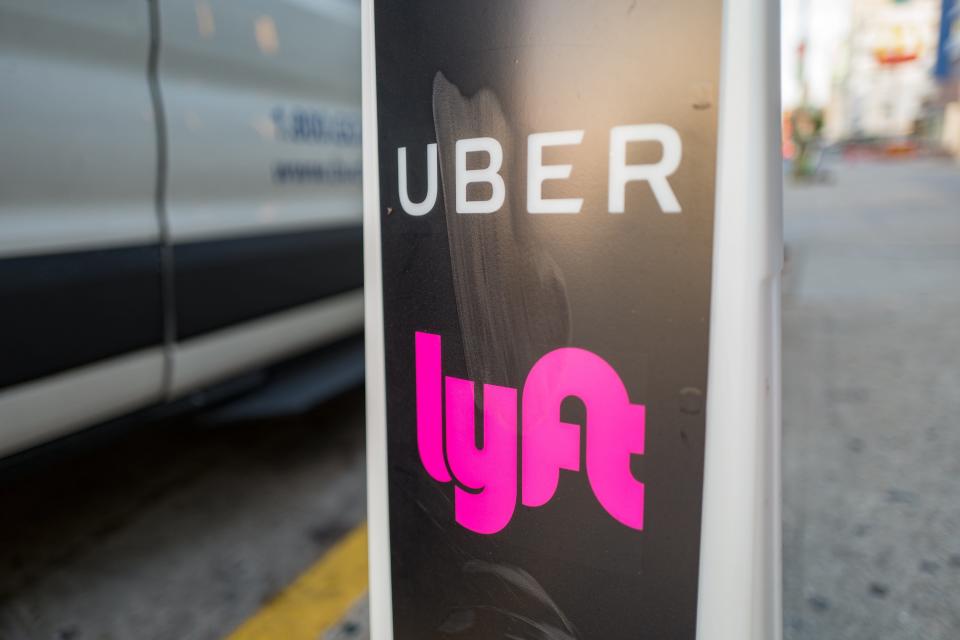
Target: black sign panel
547,173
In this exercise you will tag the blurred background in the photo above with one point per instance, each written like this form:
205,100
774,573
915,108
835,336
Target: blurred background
870,339
181,402
868,78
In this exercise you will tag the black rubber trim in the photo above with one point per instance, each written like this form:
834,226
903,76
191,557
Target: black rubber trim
223,282
70,309
67,310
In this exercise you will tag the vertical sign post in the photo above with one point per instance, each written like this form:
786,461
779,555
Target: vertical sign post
572,249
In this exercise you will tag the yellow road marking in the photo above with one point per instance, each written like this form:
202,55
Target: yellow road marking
317,599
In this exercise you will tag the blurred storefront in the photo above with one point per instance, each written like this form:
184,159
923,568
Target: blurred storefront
884,88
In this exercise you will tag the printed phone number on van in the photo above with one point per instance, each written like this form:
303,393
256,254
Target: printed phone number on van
317,126
300,172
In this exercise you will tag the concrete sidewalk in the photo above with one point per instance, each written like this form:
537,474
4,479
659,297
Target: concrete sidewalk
871,404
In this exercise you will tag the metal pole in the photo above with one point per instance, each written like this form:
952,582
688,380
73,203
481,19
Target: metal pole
740,566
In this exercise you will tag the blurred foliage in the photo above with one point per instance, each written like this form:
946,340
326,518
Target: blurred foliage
807,125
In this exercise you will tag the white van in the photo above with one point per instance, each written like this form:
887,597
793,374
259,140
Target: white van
180,199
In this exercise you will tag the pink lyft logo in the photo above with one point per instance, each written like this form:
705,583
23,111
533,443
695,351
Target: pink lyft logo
485,496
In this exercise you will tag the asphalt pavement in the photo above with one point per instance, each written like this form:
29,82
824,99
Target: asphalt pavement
177,531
